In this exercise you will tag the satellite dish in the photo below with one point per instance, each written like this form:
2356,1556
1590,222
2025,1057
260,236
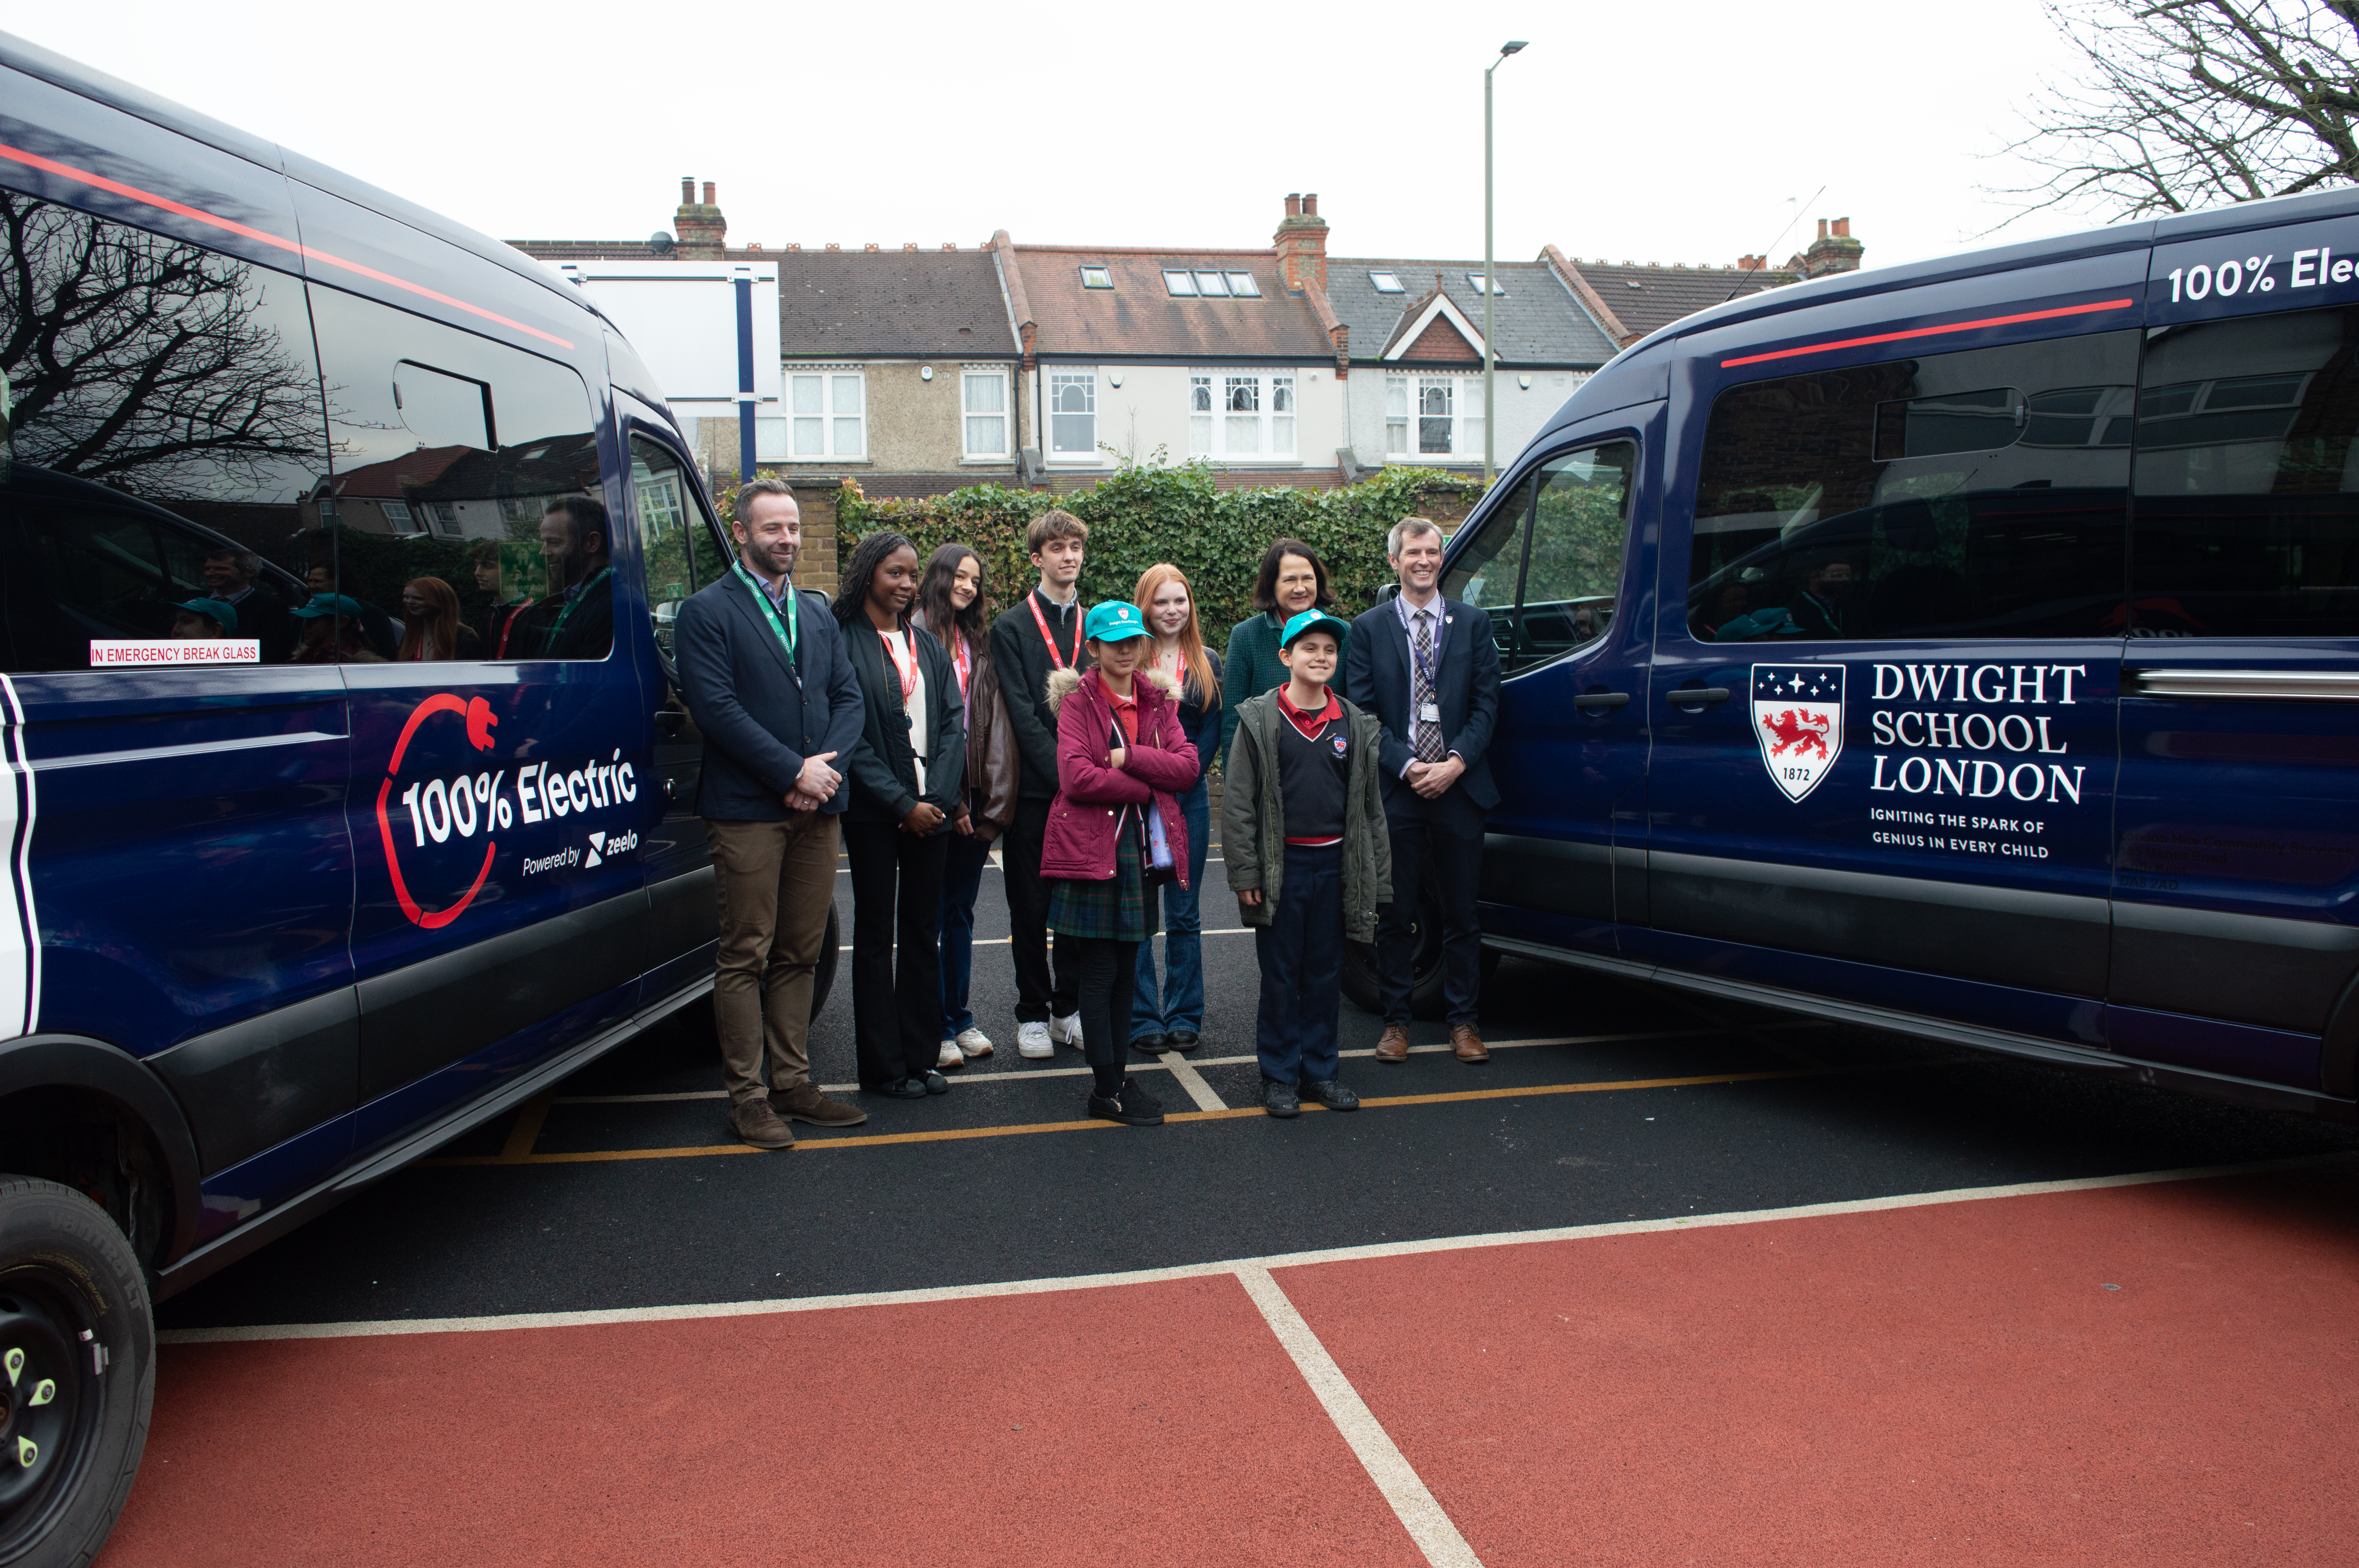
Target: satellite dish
662,243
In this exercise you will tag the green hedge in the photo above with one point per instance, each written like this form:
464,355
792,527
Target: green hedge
1144,514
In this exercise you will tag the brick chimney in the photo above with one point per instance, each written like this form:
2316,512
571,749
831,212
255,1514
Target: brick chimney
700,225
1301,244
1833,251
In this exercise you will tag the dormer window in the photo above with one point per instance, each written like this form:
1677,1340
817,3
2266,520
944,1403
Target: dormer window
1475,282
1387,282
1097,277
1180,285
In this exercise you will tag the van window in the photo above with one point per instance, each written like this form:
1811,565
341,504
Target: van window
1976,495
467,467
683,551
161,424
2247,479
1573,564
1488,571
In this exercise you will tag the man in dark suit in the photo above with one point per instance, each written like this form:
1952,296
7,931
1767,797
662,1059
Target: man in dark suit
765,674
1426,667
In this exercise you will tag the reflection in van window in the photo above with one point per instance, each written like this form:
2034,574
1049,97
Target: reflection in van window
163,425
1976,495
2247,479
1548,560
683,552
446,443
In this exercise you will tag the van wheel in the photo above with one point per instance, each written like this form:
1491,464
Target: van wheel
823,977
1426,976
78,1355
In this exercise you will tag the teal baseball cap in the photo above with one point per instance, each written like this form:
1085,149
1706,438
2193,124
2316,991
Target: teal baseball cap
1115,621
1312,621
219,610
330,604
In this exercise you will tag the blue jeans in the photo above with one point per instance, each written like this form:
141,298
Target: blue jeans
962,880
1182,1006
1301,955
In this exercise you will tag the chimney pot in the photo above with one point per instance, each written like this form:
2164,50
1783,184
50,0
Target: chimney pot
1843,227
1823,228
688,190
1294,204
1311,204
708,193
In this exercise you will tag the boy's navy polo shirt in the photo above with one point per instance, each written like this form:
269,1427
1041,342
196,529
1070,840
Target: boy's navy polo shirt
1314,771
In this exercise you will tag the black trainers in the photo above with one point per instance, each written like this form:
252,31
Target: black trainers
1333,1094
1133,1107
1281,1100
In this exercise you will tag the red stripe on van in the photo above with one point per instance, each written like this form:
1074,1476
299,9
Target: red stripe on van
199,214
1932,331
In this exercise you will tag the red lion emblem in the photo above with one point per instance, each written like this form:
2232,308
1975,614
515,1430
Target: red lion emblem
1796,734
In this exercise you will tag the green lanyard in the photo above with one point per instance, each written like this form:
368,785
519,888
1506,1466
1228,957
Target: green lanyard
567,613
787,633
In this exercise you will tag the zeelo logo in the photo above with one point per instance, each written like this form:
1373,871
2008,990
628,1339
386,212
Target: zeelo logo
461,805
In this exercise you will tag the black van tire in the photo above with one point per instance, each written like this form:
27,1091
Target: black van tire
66,1271
1426,978
823,977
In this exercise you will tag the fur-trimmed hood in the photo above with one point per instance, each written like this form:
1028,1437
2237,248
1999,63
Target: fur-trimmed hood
1064,683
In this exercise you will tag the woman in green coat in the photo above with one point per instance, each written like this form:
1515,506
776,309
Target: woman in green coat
1293,579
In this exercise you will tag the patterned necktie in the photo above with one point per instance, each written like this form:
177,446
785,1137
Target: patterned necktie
1426,738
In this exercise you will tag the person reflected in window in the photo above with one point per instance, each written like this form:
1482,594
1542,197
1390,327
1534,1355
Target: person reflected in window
380,632
230,574
332,633
576,542
1815,612
205,619
430,609
505,634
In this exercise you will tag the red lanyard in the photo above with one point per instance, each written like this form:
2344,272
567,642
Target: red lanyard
509,626
1056,654
908,674
962,661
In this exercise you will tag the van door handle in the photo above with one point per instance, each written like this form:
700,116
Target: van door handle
1696,696
1589,702
669,722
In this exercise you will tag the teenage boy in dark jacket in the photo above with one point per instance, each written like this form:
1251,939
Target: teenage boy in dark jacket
1041,636
1302,829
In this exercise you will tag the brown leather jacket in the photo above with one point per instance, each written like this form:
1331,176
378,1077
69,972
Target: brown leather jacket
994,768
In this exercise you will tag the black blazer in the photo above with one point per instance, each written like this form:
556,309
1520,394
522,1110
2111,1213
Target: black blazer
885,782
1466,683
759,720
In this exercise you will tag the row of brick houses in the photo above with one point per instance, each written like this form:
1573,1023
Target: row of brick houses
915,371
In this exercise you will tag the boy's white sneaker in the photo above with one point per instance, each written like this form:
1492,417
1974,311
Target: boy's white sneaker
1032,1040
951,1056
973,1042
1067,1031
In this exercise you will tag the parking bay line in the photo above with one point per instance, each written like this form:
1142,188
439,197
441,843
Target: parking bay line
1381,1102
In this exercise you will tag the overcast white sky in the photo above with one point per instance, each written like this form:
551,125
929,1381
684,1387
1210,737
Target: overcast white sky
1662,131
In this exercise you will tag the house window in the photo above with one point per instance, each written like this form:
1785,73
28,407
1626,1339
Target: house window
1433,415
1243,286
983,395
828,415
397,517
1475,282
1212,285
1242,415
1387,282
1074,413
1180,285
770,440
446,518
1097,277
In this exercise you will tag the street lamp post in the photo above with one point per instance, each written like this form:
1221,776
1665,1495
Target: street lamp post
1490,282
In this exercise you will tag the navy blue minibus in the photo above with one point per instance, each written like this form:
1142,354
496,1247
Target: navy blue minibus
346,793
1968,649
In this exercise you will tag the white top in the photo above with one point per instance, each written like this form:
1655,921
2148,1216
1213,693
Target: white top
901,651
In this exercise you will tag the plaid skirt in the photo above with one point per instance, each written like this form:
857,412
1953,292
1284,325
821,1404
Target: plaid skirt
1116,909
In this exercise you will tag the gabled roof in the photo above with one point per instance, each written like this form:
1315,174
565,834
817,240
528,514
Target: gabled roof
1139,318
1434,329
890,304
1535,320
1648,297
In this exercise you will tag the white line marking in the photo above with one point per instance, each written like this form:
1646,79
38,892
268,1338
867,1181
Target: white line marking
1412,1504
1192,1081
1003,941
20,942
594,1318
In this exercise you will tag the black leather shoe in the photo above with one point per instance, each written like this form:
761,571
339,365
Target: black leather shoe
1153,1044
1281,1100
933,1084
1182,1040
1333,1094
899,1088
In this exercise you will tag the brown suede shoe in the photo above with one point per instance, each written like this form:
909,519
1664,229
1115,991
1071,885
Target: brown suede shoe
1468,1042
1394,1046
752,1121
805,1104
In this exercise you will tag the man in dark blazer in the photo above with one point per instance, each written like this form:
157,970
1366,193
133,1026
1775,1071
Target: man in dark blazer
1426,667
764,672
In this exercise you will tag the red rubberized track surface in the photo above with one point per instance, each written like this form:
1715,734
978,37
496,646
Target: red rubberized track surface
1944,1384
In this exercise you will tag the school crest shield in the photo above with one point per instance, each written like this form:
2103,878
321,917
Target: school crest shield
1797,718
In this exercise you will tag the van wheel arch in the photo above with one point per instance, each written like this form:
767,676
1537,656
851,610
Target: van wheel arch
93,1117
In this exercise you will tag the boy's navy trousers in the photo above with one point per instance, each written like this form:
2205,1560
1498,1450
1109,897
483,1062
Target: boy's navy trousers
1301,955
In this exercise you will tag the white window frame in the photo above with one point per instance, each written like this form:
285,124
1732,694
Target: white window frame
1406,397
1103,272
1178,283
399,519
1056,378
830,415
1386,282
1214,396
1242,286
971,375
1498,290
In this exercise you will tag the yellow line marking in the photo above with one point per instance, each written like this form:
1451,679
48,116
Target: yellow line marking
526,1131
954,1134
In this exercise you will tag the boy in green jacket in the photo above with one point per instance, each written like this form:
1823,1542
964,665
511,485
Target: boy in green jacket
1308,855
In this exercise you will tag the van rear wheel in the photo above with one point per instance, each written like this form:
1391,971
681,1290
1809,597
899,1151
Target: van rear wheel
78,1355
1426,979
